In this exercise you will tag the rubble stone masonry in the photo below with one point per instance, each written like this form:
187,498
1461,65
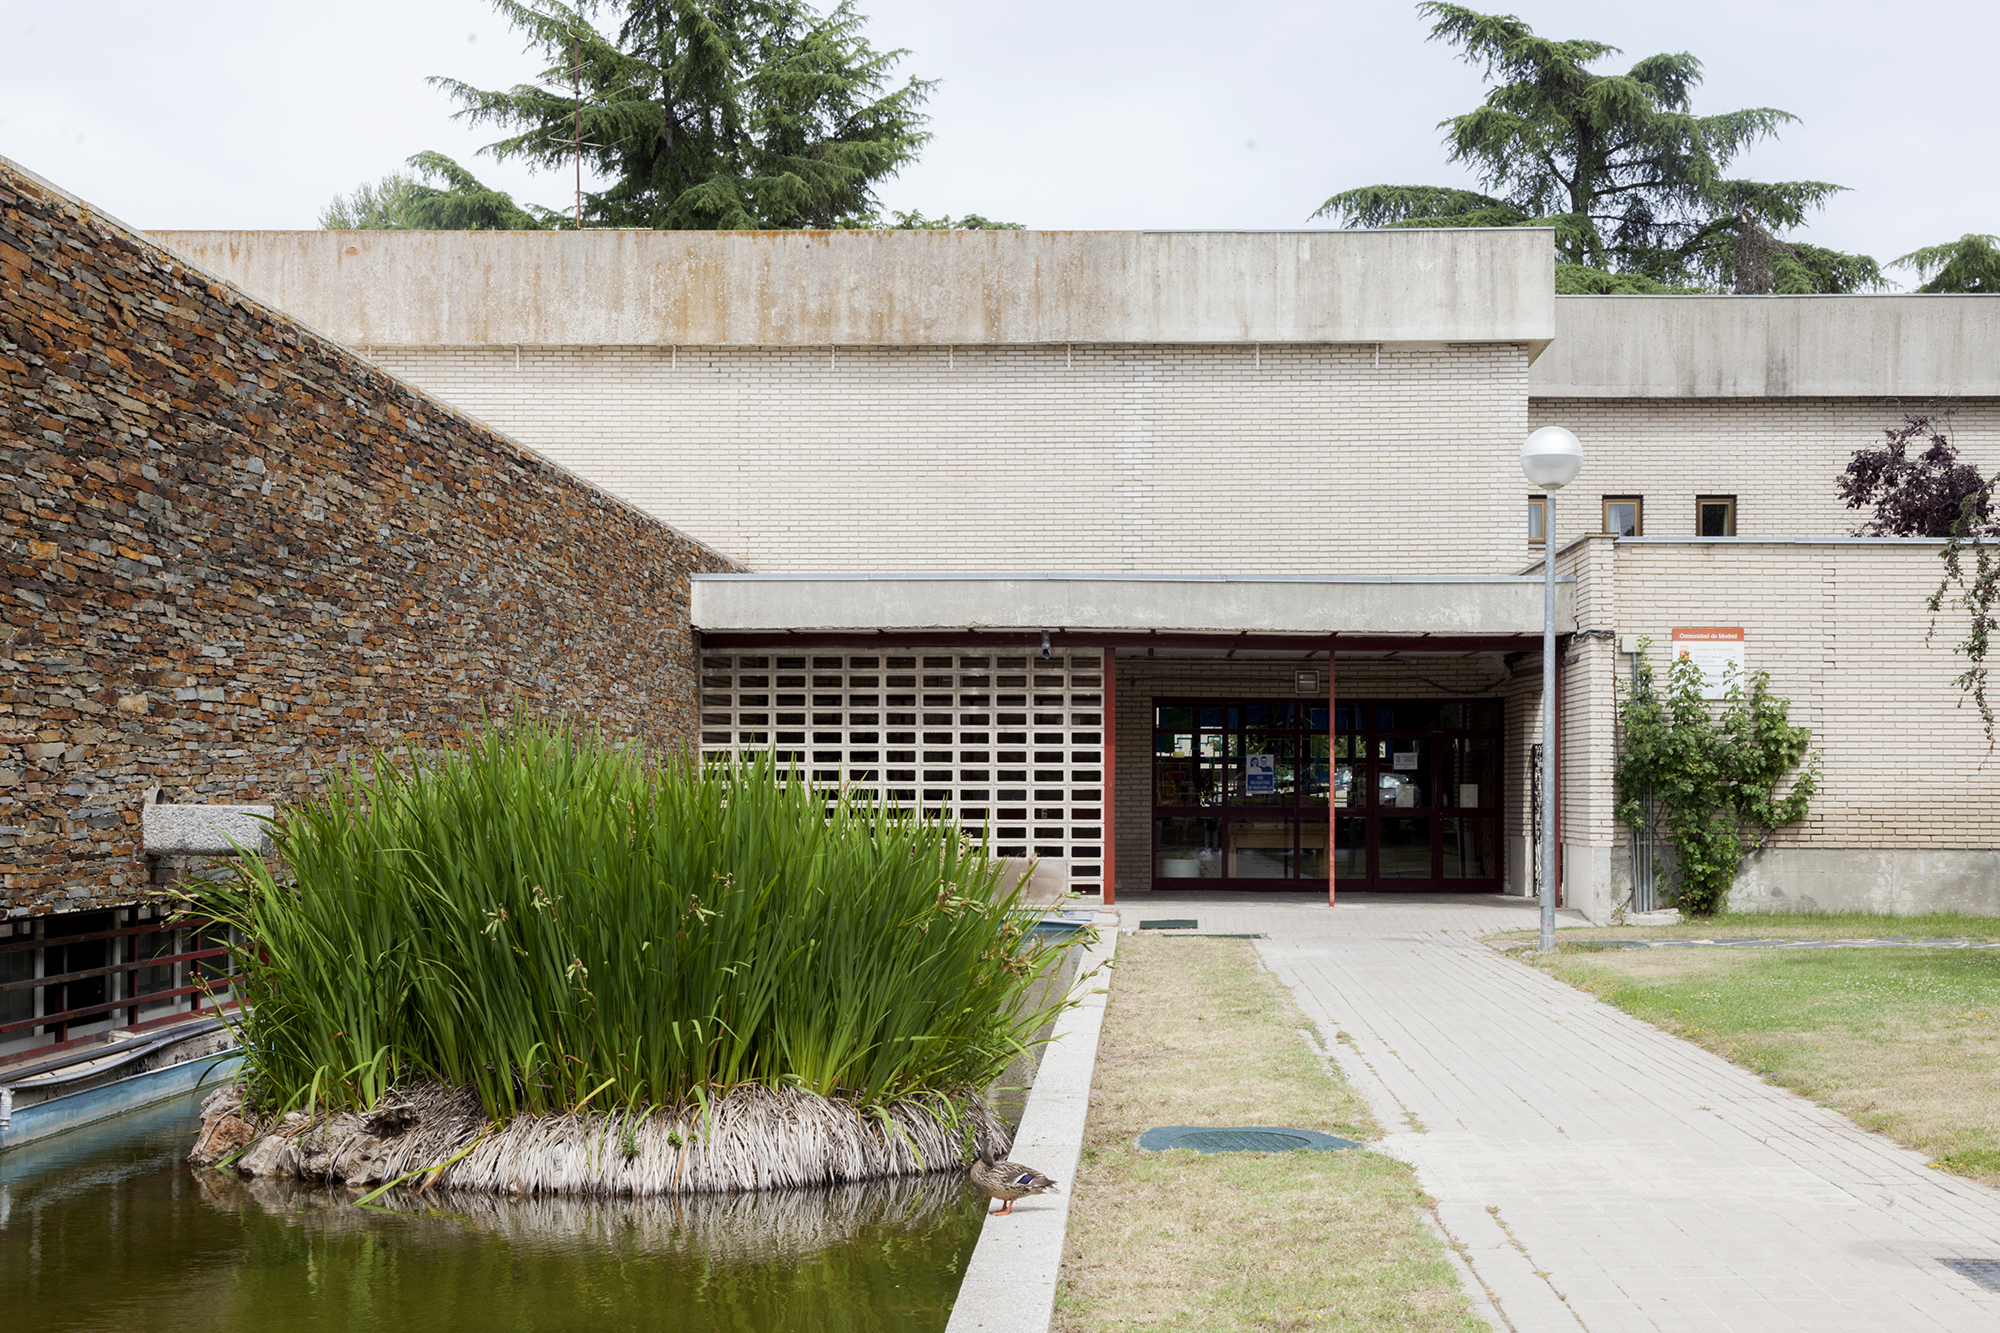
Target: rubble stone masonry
234,555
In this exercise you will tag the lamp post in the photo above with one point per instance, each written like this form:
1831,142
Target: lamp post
1551,458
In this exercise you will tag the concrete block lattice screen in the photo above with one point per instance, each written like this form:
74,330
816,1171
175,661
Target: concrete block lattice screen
1009,744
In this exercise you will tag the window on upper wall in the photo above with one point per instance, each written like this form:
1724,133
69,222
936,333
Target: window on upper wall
1715,515
1624,515
1538,517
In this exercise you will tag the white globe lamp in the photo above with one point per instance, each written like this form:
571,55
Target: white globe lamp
1551,458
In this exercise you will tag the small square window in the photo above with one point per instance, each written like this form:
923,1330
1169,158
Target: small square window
1715,515
1538,514
1624,515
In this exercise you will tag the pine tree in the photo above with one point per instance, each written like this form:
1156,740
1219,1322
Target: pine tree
707,114
1969,264
916,221
377,207
456,202
1630,179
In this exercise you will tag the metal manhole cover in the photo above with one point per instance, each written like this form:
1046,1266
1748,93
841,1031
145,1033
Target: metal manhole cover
1171,923
1986,1272
1240,1138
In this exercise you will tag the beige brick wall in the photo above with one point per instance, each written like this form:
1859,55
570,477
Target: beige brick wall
1168,459
1781,457
1841,629
1289,459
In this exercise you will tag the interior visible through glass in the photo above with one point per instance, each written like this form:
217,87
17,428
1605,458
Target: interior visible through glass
1241,790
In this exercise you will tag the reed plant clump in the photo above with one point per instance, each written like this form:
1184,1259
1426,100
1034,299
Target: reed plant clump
558,925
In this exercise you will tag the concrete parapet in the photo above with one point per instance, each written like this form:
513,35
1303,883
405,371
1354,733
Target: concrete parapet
1771,347
894,288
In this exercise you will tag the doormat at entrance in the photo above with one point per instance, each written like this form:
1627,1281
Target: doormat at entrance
1171,923
1241,1138
1986,1272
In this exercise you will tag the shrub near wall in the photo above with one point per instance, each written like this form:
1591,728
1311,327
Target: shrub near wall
233,553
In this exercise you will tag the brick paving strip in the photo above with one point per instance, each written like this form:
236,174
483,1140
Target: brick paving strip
1595,1172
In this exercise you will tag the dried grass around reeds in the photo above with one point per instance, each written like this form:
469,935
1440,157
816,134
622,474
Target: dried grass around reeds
750,1138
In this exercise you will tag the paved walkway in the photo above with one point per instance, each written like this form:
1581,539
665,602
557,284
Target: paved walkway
1594,1172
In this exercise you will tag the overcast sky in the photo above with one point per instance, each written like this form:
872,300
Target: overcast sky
1053,113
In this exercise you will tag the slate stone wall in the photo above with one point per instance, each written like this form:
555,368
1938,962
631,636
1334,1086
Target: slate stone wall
234,554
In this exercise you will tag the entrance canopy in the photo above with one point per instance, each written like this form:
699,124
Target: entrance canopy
1110,610
994,697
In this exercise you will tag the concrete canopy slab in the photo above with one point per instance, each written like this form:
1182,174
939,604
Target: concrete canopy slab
1125,603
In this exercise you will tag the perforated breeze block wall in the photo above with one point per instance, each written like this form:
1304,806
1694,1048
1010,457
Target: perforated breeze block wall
235,554
1008,743
1166,459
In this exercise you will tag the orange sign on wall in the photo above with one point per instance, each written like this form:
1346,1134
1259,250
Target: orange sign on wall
1718,651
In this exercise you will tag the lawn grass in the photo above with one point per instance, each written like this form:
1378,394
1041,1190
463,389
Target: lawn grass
1197,1033
1790,925
1903,1041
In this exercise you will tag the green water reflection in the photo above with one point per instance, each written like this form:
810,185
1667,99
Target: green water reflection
111,1229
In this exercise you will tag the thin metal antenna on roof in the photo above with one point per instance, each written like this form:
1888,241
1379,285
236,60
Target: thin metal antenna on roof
576,94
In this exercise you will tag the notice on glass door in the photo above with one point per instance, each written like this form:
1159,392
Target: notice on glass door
1260,775
1718,651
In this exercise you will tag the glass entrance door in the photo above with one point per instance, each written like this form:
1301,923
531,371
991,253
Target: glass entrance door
1239,792
1416,794
1241,789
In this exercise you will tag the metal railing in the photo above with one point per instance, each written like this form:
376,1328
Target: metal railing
128,967
1644,893
1535,819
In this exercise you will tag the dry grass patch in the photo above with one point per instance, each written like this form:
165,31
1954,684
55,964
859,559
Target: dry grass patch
1197,1033
1904,1041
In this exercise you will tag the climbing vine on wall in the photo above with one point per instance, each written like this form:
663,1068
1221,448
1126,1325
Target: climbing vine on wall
1714,773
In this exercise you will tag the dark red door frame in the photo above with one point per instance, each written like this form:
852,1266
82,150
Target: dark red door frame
1332,761
1562,651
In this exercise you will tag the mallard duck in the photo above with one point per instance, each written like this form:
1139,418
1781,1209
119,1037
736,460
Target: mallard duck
1008,1181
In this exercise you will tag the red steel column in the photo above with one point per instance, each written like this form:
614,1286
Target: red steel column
1562,651
1110,867
1332,769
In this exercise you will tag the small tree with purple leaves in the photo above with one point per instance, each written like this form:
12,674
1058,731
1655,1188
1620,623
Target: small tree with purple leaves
1931,494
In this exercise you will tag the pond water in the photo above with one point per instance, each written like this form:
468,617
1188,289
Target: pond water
110,1228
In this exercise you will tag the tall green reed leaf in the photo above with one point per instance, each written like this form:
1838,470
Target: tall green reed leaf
541,917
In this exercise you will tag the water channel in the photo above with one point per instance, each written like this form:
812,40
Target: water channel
110,1228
